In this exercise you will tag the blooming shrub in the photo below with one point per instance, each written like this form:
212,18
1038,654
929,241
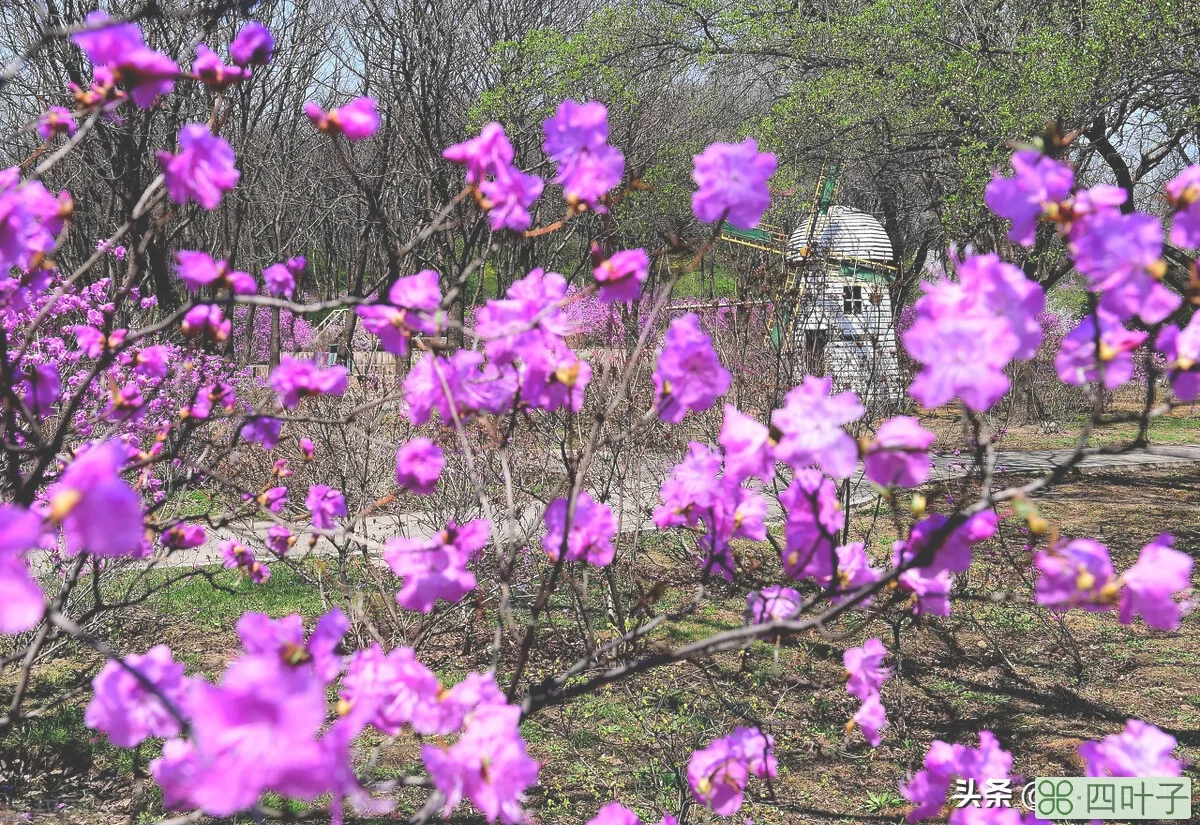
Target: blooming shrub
112,408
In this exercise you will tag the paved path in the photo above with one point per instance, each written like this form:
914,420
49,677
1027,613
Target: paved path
634,516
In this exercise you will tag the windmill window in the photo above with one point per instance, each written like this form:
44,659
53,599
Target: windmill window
852,300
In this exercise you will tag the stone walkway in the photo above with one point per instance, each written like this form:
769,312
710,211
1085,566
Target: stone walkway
633,514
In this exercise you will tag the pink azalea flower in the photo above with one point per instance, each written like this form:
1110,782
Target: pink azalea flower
1078,573
732,181
263,430
236,555
591,534
1183,193
308,450
42,389
484,155
281,278
990,286
930,591
21,598
717,775
129,712
280,644
854,571
203,168
577,139
357,120
294,379
1039,184
151,361
1150,585
436,568
1077,362
1140,749
412,307
688,374
99,512
928,786
280,539
749,450
953,551
107,44
899,453
325,504
253,45
810,425
207,319
1182,350
473,387
507,196
621,276
614,813
30,218
871,718
813,527
865,668
184,537
487,765
772,604
527,318
419,464
54,120
1118,253
209,69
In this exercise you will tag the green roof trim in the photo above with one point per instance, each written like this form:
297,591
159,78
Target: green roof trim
759,235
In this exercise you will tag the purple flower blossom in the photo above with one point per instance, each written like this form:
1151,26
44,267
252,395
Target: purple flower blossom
1077,362
577,139
614,813
294,379
953,552
263,430
810,424
419,464
203,168
1139,750
487,765
1182,350
412,307
30,218
207,319
899,453
853,571
253,45
107,44
484,155
357,120
961,356
236,555
732,182
1038,185
813,527
307,450
151,361
279,644
1150,585
436,568
21,598
871,718
280,539
928,786
1076,574
864,666
1121,255
1183,193
324,504
688,375
620,276
473,388
992,287
772,603
54,120
717,775
280,278
128,711
42,389
591,534
210,71
273,499
184,537
748,447
930,591
507,196
99,512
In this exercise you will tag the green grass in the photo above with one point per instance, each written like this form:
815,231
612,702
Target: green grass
696,285
196,602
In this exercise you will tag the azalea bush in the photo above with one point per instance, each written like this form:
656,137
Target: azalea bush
510,462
